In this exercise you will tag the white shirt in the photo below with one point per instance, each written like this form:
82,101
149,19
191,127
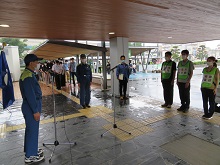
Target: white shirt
57,68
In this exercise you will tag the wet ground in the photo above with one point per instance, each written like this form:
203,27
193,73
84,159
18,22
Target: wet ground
150,84
141,115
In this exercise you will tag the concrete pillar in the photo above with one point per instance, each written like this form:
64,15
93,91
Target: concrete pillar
118,47
12,57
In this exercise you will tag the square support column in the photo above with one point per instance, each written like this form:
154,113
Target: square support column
118,47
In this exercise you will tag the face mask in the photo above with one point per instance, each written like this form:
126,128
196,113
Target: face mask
83,61
210,63
167,58
184,57
122,61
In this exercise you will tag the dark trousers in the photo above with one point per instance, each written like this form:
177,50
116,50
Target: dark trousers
63,81
123,85
100,69
208,96
31,130
58,80
85,92
184,95
168,93
73,74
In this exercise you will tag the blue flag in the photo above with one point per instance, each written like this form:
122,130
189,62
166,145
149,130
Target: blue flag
6,82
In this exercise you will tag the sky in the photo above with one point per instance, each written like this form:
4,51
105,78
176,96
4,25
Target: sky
212,44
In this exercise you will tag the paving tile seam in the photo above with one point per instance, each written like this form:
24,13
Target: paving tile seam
4,128
122,136
149,121
93,112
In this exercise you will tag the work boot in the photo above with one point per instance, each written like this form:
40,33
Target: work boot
164,105
84,107
87,105
168,106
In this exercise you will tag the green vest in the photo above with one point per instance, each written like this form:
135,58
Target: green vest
208,77
183,70
166,69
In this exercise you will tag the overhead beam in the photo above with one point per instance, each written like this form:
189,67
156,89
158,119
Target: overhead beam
78,45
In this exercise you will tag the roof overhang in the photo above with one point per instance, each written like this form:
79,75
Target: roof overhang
52,49
155,21
60,49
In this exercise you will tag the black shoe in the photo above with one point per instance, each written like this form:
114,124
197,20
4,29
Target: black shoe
125,97
180,109
84,107
204,116
168,106
186,110
164,105
87,105
207,118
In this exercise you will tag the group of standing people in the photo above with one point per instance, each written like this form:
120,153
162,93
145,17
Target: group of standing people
62,72
184,70
32,94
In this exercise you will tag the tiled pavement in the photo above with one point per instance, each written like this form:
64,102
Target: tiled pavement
150,126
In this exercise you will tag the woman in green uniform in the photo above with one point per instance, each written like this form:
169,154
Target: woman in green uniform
209,87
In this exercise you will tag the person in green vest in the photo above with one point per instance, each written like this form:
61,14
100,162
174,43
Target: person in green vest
184,75
168,72
209,87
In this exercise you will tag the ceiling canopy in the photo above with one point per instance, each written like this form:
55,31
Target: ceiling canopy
60,49
158,21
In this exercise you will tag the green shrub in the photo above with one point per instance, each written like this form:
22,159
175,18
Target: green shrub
199,62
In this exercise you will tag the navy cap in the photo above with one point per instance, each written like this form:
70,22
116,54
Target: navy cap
82,56
31,58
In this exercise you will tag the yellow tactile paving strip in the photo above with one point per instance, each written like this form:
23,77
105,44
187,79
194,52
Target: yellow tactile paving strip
89,112
161,117
136,128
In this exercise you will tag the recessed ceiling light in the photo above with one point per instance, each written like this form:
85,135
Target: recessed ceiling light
111,33
170,37
4,25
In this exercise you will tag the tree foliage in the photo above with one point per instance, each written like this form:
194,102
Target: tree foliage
175,53
201,52
16,42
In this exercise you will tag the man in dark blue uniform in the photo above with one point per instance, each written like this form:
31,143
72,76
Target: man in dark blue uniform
84,79
31,109
123,73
